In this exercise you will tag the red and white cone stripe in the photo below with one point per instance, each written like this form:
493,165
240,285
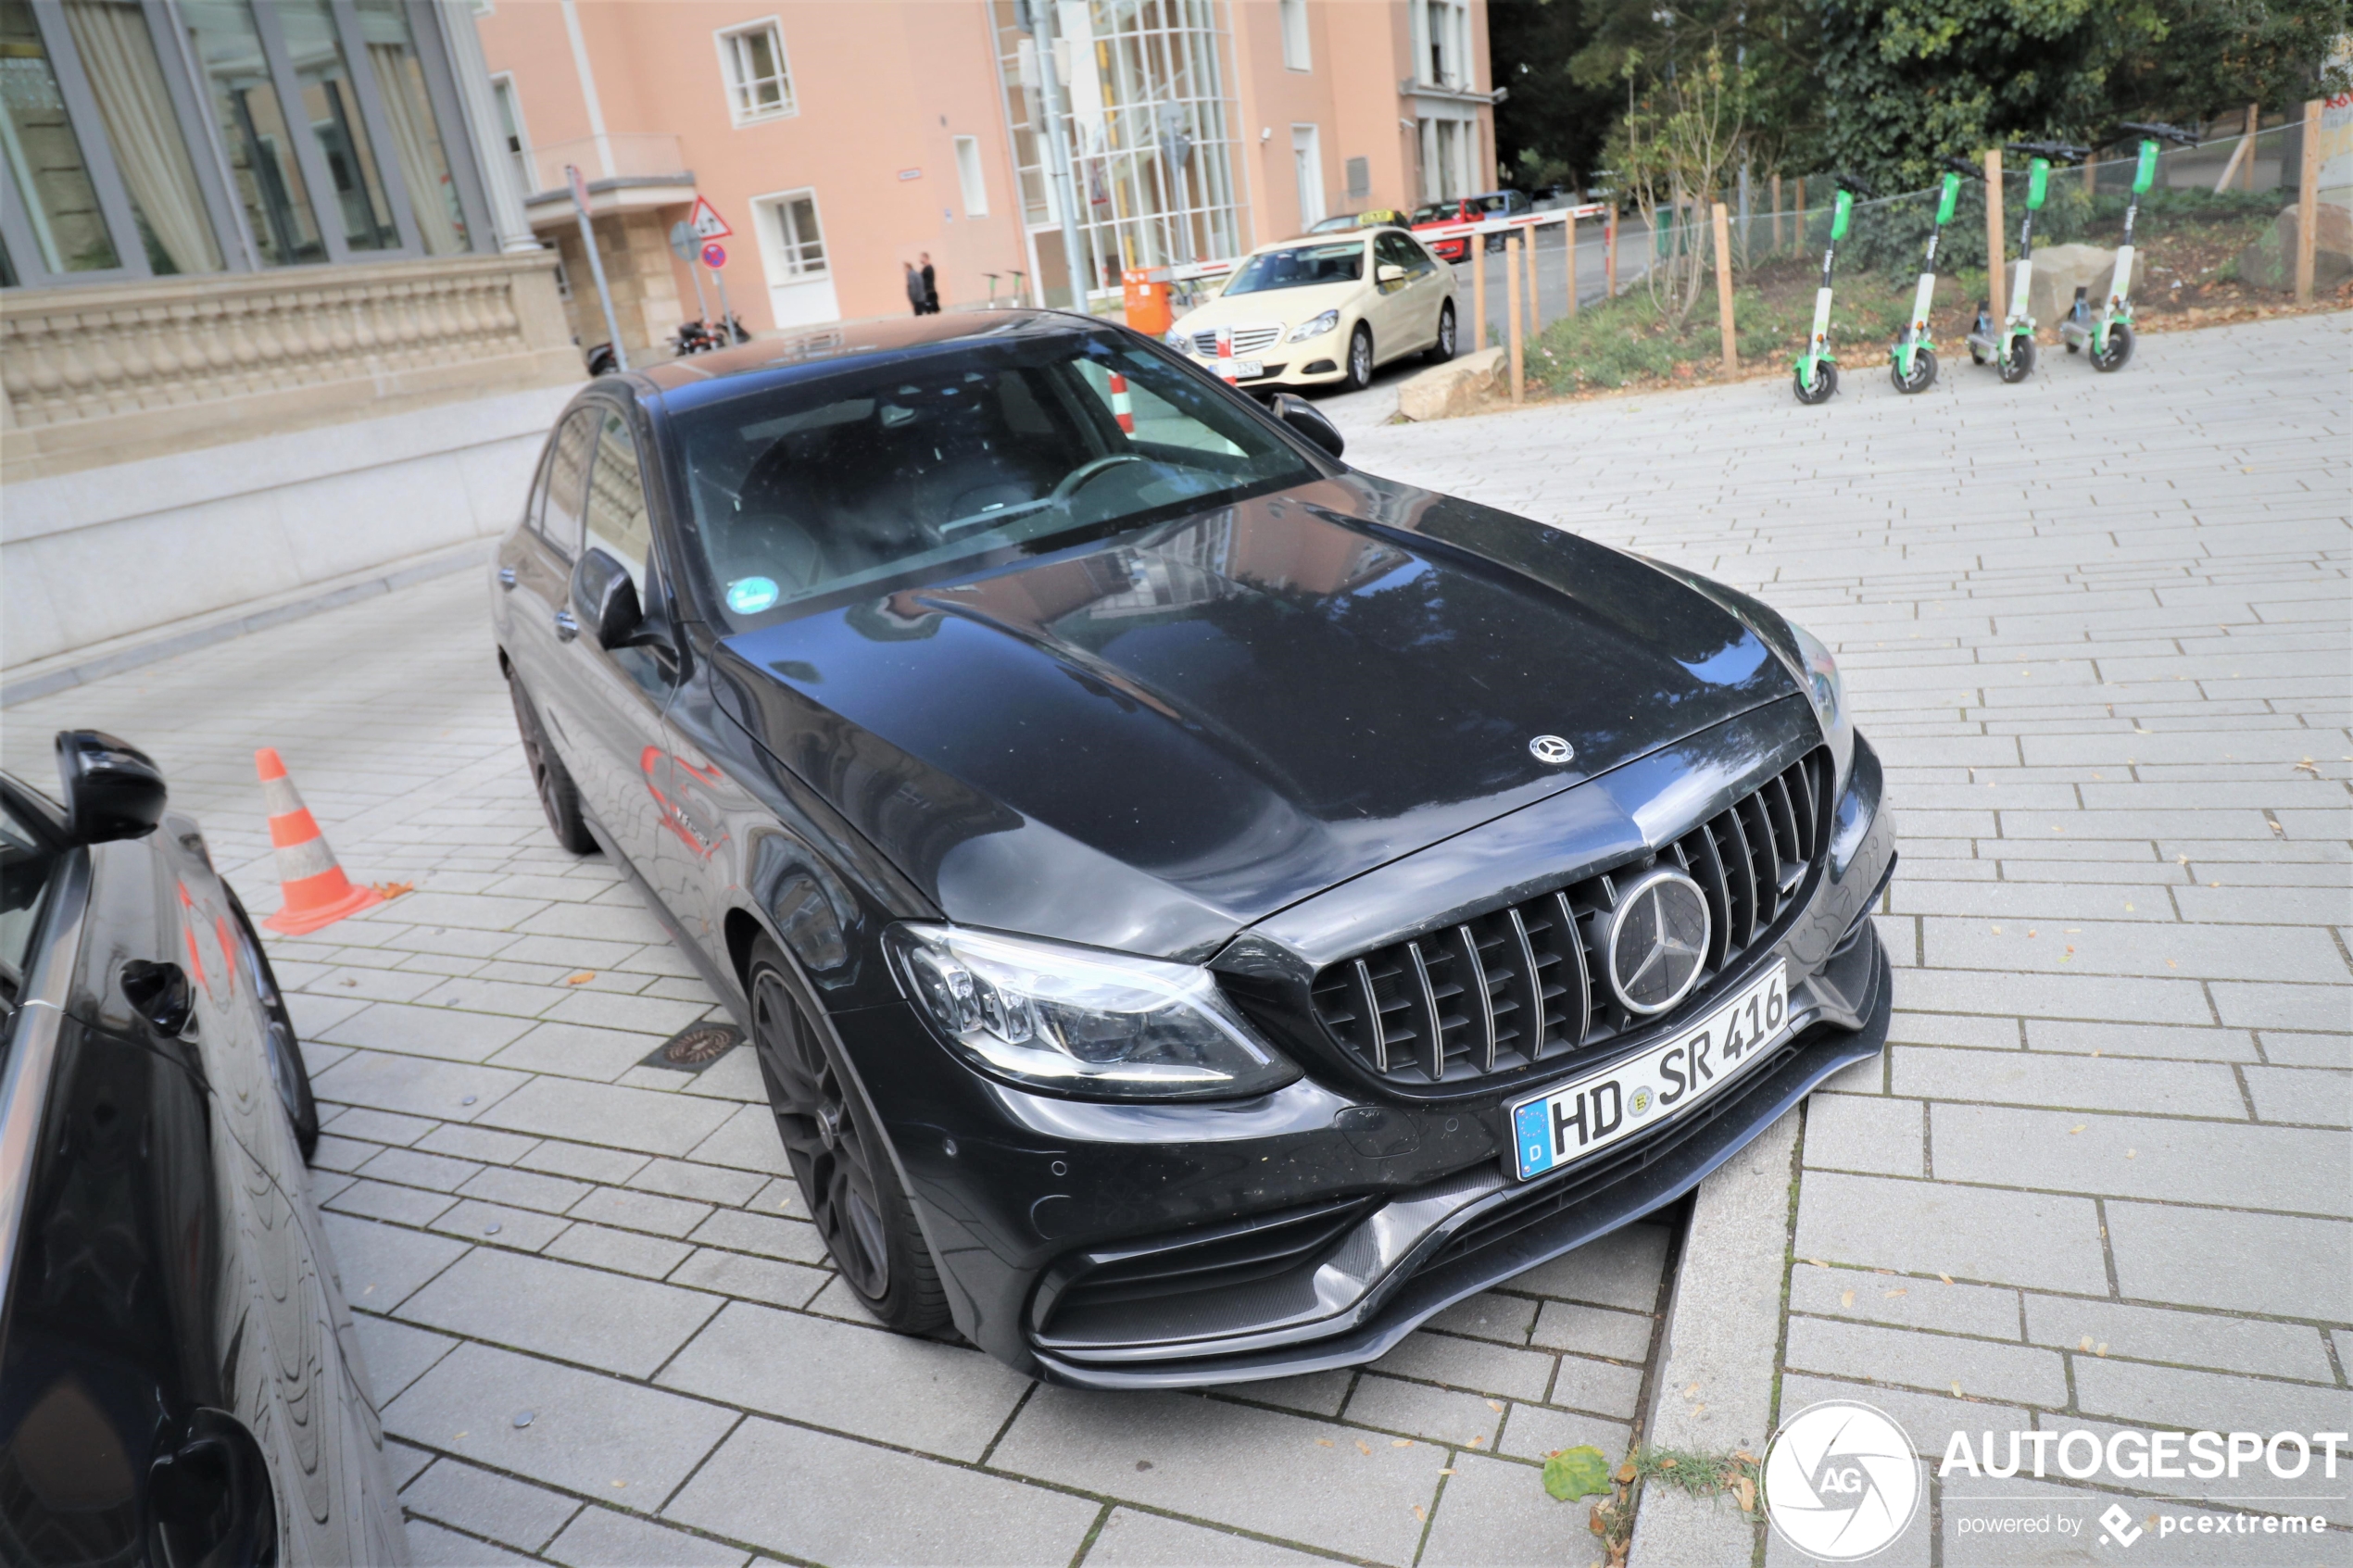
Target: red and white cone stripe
1123,408
1226,356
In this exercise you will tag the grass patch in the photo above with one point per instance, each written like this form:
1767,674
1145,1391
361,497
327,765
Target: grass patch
1735,1475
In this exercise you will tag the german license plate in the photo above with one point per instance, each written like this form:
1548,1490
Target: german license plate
1564,1124
1249,370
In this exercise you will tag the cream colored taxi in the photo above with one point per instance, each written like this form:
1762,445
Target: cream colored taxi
1324,311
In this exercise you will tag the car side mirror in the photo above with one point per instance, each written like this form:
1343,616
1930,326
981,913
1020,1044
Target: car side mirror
605,599
209,1499
1308,420
1390,272
160,992
113,790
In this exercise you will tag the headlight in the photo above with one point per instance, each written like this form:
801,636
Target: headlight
1316,328
1825,692
1181,342
1100,1024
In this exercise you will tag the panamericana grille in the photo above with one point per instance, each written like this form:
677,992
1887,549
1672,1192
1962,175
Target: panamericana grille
1247,341
1526,983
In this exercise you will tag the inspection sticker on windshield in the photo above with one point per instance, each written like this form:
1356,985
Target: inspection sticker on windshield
1566,1124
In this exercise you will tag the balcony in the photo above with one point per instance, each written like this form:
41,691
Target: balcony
626,171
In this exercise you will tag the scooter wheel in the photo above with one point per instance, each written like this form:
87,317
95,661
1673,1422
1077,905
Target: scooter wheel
1825,383
2020,364
2119,349
1923,374
2072,346
1975,358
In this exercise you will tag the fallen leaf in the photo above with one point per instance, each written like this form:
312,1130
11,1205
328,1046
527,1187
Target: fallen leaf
1581,1471
1817,1263
1946,1278
1593,1521
1495,1405
1899,1290
1846,1298
1956,1390
392,889
1747,1490
2077,1128
1744,1456
1418,1514
1692,1392
1449,1471
583,978
1626,1474
2084,1343
2100,1349
1477,1442
1323,1442
2132,1154
1401,1442
1668,1463
1363,1447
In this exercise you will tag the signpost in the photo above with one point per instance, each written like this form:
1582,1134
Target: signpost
682,246
705,224
596,265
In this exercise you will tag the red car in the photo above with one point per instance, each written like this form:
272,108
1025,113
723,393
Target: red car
1440,213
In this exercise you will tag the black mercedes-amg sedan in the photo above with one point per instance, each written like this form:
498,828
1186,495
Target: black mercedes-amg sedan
179,1381
1199,908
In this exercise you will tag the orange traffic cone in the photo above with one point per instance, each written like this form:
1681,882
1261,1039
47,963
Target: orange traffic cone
316,891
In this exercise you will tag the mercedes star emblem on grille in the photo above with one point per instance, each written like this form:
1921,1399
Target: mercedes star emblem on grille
1552,750
1656,941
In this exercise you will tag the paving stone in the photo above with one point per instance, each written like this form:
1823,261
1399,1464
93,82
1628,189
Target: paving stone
576,1052
2139,1040
403,1463
477,1144
746,1140
1494,1510
911,1393
1622,1268
1867,1133
587,1431
1489,1315
630,1326
2084,1083
755,1279
709,1184
376,1126
2320,1006
2137,1392
384,1081
381,1200
1130,1539
584,1161
900,1509
600,1538
492,1225
2035,1239
1594,1331
1587,1385
313,1013
2280,1264
431,1546
1438,1415
380,1264
734,1076
522,1515
1539,1431
413,1168
627,1251
1952,1029
1230,1464
1469,1363
371,984
601,922
601,1113
1909,1301
568,954
2257,1167
645,1015
2095,997
1929,1420
795,1240
525,1189
2315,1096
1981,1368
640,1210
2201,1340
342,1154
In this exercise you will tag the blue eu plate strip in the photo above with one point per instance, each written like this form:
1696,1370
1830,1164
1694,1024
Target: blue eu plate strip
1535,1136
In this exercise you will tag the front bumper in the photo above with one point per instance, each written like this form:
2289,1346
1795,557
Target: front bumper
1175,1244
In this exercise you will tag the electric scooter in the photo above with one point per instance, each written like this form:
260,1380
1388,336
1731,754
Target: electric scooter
1911,363
2012,348
1815,373
2110,336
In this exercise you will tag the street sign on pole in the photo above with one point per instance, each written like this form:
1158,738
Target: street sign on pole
596,264
715,256
682,244
706,222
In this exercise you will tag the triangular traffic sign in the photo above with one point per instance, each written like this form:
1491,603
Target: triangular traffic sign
706,222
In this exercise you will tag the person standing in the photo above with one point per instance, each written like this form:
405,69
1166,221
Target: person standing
918,293
930,305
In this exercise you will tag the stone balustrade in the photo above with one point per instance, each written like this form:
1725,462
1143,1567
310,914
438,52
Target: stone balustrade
116,371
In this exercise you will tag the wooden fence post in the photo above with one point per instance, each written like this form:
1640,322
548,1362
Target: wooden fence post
1476,246
1724,292
1609,251
2254,124
2307,202
1511,309
1535,290
1996,303
1777,212
1569,233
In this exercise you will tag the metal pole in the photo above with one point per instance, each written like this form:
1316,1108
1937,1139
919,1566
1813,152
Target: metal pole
1057,139
702,306
726,315
595,267
1476,244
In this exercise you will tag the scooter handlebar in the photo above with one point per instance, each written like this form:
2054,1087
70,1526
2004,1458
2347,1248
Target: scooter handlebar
1960,164
2058,151
2172,134
1851,185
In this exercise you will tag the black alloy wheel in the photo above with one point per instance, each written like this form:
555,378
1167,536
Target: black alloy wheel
846,1174
2120,348
559,796
1360,358
1443,349
289,1075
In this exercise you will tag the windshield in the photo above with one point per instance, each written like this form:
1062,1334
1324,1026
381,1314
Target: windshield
1439,212
1299,267
987,451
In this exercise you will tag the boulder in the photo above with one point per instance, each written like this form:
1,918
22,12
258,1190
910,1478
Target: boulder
2269,262
2059,270
1444,391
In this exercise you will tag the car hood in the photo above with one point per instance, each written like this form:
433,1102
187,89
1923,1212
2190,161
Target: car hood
1150,741
1288,306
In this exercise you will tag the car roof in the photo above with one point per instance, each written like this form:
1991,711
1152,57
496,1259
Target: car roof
799,356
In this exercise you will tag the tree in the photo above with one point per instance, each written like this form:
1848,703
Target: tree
1551,127
1681,135
2209,57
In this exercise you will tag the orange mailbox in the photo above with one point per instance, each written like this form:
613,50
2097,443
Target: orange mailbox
1147,299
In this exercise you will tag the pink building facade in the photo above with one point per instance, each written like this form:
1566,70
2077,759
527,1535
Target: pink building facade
844,140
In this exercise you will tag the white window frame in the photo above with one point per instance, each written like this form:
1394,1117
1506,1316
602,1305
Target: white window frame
507,93
781,267
1310,212
740,108
971,176
1298,53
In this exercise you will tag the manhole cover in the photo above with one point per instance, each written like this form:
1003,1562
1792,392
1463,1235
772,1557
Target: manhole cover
695,1046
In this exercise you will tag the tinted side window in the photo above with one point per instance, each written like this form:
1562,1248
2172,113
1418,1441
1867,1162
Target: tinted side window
617,520
25,867
567,476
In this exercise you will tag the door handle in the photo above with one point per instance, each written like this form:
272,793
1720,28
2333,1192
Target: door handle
566,627
507,578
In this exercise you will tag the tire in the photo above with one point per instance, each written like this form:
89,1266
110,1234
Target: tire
1825,384
2119,349
837,1155
2074,347
559,796
2020,362
1923,372
288,1073
1443,349
1360,358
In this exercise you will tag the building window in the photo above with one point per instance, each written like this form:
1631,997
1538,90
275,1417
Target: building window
759,79
1295,55
60,200
1443,29
789,227
968,175
1307,164
142,131
330,103
511,129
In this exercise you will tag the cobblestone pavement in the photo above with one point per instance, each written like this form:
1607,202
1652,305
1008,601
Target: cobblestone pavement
2097,626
